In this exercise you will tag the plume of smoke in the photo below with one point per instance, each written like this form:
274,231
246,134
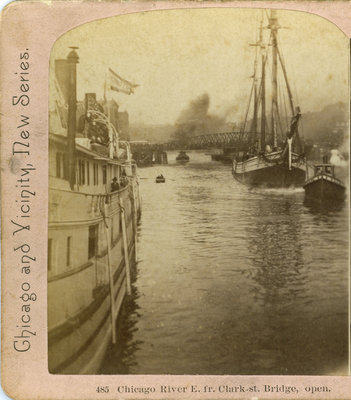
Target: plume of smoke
341,165
337,159
195,120
344,147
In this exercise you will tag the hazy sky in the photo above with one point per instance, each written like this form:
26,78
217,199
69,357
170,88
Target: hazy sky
178,55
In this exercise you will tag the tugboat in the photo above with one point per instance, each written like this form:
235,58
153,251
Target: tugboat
275,158
324,186
160,179
182,157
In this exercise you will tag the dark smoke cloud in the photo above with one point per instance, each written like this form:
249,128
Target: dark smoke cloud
195,120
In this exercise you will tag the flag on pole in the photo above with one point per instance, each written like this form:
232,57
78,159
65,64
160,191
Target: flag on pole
118,84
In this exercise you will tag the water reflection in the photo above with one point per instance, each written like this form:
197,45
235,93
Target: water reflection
274,242
325,207
275,245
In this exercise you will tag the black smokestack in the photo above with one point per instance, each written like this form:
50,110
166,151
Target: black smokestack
72,61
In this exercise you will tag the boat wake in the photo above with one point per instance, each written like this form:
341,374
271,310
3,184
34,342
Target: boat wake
278,191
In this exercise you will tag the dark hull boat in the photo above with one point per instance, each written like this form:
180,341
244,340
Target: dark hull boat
182,158
273,156
257,171
160,179
323,187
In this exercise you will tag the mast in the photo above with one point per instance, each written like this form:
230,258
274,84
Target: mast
254,121
253,127
263,94
274,26
287,83
300,147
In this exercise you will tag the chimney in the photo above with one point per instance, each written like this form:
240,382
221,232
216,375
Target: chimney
72,61
61,72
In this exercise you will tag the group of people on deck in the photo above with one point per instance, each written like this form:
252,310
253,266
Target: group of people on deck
117,185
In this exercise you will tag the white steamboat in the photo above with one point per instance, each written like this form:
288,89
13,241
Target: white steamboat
91,234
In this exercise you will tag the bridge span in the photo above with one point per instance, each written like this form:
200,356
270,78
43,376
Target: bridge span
145,153
239,140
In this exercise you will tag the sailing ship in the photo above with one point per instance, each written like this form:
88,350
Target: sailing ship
92,226
275,158
324,186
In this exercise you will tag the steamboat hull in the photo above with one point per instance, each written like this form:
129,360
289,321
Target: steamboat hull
79,298
257,172
89,334
79,345
324,189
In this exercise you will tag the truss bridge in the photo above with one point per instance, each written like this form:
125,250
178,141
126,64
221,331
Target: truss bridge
145,153
239,140
219,140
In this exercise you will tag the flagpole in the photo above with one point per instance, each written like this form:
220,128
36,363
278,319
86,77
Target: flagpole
105,84
110,131
106,99
117,84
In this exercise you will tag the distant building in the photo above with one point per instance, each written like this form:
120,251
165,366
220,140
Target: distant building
119,119
123,121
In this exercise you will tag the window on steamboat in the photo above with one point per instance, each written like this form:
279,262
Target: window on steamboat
81,169
96,174
104,174
83,172
61,166
68,254
65,166
92,244
88,173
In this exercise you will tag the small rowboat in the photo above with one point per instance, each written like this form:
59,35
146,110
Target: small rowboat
160,179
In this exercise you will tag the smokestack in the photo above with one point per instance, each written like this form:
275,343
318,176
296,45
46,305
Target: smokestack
72,60
61,72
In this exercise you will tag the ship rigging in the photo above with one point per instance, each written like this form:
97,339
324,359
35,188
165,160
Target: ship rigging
274,158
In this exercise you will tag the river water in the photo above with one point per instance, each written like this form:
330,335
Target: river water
233,280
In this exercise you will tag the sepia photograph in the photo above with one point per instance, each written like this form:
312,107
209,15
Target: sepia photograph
198,217
175,203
